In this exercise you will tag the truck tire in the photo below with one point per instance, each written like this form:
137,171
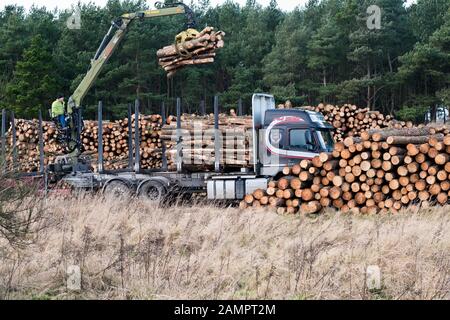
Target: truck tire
152,190
117,188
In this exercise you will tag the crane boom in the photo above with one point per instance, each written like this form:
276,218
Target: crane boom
109,44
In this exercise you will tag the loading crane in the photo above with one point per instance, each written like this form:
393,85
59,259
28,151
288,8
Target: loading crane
109,44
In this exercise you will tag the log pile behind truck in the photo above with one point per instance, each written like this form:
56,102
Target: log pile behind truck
382,171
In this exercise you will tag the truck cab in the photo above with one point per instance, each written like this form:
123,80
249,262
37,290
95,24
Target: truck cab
281,137
286,136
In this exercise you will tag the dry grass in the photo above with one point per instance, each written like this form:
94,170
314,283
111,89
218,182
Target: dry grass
137,250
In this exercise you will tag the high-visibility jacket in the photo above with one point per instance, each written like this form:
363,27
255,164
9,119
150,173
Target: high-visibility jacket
58,108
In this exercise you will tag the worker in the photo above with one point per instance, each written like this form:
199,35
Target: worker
58,111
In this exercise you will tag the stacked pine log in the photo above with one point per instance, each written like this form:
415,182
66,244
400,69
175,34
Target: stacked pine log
198,140
349,120
382,171
115,143
200,50
27,148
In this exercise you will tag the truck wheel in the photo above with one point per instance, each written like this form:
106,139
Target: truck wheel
152,190
117,189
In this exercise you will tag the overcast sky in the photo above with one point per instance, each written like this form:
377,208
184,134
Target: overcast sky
64,4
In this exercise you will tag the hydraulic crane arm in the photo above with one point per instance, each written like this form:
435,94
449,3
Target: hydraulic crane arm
111,41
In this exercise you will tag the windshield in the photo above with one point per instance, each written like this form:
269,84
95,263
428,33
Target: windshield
326,139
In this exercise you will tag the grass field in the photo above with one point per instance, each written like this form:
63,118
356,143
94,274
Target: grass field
135,250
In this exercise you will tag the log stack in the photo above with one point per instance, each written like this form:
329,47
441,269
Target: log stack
198,140
200,50
349,120
382,171
27,135
115,143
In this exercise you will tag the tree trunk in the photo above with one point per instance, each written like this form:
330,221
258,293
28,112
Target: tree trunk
368,87
433,113
390,63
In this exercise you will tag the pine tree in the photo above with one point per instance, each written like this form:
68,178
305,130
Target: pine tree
14,38
254,44
428,65
35,81
426,16
324,48
375,50
284,65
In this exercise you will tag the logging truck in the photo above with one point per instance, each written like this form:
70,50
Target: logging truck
280,138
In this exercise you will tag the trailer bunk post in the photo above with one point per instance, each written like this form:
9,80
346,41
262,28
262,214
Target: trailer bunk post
3,140
137,157
79,126
130,139
41,145
179,139
163,144
100,136
217,154
14,141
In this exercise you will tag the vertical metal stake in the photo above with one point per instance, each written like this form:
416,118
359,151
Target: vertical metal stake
163,144
79,117
100,137
179,139
130,139
137,144
14,140
41,145
3,141
216,135
45,184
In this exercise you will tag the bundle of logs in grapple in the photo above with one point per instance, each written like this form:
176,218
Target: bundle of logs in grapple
115,143
198,140
382,171
349,120
200,50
